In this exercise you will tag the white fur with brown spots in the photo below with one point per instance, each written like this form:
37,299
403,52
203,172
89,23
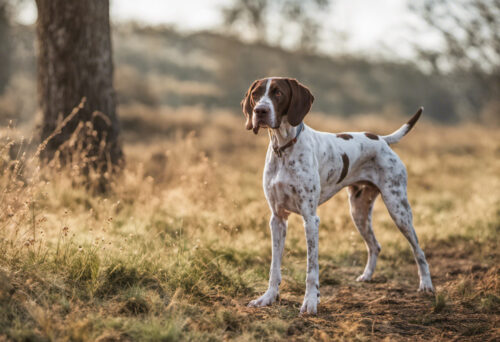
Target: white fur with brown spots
315,168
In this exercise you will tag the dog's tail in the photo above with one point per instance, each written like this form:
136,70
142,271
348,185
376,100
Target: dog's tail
397,135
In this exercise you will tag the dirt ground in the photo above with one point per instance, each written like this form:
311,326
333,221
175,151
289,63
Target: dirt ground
392,309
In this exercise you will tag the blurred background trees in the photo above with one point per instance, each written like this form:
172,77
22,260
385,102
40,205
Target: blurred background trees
268,21
470,32
170,67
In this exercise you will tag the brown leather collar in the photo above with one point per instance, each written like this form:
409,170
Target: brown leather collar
279,150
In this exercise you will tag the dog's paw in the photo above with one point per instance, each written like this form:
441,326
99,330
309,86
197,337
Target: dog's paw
426,286
310,305
364,277
266,299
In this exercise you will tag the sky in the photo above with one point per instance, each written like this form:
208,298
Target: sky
369,25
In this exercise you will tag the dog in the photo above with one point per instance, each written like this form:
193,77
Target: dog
304,168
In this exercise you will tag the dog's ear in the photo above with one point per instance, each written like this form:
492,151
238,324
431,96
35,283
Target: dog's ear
301,101
247,105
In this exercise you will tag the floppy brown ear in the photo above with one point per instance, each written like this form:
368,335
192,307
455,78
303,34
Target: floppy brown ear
300,102
247,105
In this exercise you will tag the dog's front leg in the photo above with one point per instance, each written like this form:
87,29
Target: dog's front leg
311,226
278,233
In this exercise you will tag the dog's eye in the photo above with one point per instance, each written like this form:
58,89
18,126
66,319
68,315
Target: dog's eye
278,93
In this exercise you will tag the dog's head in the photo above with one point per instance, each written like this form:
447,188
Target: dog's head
269,99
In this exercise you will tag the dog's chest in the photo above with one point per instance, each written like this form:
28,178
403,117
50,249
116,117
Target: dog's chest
289,181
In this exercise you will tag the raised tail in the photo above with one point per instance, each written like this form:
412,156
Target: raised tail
401,132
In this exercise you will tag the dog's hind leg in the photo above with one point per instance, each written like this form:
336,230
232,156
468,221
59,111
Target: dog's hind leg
396,200
361,200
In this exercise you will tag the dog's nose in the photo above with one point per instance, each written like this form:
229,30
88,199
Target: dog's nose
261,111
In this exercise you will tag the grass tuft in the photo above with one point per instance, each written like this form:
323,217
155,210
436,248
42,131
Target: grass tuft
439,302
135,301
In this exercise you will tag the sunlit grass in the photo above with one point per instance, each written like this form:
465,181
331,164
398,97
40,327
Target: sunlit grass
181,243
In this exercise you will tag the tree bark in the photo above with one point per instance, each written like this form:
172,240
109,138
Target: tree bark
75,62
5,43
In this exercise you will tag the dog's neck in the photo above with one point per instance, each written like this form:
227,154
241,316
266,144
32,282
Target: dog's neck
282,135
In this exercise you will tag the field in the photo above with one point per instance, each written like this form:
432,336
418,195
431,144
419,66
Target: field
181,243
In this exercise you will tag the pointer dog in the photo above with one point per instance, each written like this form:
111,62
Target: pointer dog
304,168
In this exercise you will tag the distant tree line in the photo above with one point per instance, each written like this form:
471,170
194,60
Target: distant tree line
470,30
270,20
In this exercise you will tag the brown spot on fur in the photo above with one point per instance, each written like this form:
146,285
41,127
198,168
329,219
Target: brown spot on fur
345,168
344,136
371,136
405,204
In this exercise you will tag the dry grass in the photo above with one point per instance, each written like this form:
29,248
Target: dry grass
181,243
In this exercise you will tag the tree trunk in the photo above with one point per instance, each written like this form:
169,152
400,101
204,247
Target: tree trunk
5,43
75,62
